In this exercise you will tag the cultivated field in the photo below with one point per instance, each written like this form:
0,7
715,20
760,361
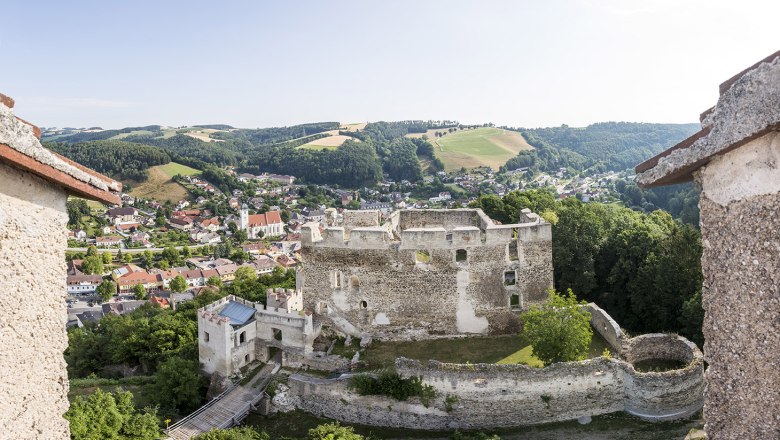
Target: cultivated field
333,141
474,148
353,127
132,133
159,185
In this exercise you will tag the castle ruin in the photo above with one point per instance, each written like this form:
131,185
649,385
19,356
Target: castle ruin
424,272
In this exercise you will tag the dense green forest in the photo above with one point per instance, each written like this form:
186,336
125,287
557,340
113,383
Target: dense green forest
643,269
118,159
105,134
599,147
382,147
681,200
275,135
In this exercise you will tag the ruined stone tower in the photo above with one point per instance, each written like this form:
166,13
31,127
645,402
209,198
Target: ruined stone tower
425,272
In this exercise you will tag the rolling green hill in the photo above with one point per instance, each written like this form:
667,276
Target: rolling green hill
484,146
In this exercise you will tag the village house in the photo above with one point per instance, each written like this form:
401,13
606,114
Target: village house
151,282
734,160
211,224
78,234
83,284
122,215
245,177
34,186
110,241
181,223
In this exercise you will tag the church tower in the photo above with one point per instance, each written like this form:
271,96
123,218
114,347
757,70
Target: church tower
244,218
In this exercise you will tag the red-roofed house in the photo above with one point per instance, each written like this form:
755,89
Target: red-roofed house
160,301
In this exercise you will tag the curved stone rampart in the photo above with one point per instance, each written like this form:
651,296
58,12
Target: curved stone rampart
488,396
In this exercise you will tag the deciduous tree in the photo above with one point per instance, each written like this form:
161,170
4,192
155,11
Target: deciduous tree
139,291
106,290
558,330
178,284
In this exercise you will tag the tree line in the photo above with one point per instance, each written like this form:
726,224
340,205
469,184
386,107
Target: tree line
118,159
643,269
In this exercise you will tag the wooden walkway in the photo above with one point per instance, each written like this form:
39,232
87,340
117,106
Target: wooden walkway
225,410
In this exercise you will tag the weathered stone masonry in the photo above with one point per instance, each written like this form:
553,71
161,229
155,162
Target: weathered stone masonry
34,186
488,396
425,272
735,159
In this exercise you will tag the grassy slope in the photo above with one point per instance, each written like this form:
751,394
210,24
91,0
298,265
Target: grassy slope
478,147
160,187
172,168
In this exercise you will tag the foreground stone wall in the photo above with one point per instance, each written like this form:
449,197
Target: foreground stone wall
740,219
34,381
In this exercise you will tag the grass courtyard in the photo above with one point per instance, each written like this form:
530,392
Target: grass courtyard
510,349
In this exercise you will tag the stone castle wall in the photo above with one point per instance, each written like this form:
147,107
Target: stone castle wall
488,396
370,280
34,383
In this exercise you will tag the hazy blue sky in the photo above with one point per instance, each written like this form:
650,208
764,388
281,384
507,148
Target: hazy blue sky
264,63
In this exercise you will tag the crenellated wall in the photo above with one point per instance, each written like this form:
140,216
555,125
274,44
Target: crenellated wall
370,279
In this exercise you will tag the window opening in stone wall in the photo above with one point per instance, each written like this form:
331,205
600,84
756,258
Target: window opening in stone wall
277,334
512,247
355,281
206,336
242,338
514,301
363,304
336,279
449,236
246,359
509,278
460,255
422,257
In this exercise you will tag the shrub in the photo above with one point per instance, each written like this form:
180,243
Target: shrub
391,384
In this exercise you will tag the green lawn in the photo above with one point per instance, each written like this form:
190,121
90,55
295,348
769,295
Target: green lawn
523,356
173,168
478,349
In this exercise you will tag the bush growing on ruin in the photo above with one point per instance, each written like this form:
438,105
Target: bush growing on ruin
558,330
334,430
391,384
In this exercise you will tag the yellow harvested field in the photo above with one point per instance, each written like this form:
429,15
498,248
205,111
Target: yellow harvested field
160,187
203,134
333,141
353,127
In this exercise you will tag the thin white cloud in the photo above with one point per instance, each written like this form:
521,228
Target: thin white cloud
45,103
